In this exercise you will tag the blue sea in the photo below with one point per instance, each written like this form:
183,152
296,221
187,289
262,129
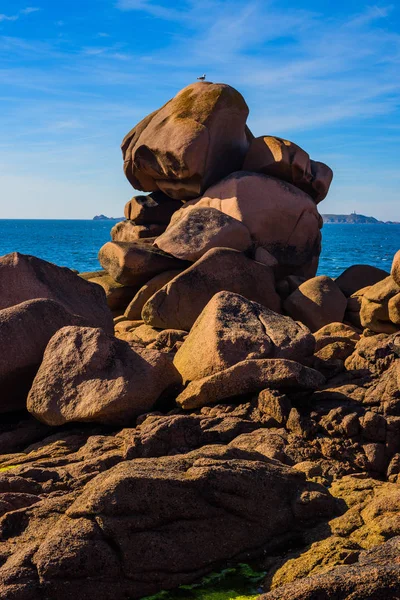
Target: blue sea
75,244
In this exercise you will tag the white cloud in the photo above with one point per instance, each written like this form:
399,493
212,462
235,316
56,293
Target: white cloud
24,11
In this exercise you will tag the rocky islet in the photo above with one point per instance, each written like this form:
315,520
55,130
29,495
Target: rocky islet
205,399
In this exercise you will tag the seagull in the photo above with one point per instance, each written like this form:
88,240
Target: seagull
202,78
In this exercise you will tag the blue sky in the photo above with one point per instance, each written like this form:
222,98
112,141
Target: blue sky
76,76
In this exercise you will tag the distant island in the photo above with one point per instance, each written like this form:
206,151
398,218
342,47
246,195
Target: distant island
104,218
352,219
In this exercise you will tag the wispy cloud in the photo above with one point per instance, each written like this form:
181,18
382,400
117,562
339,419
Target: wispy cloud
20,13
156,10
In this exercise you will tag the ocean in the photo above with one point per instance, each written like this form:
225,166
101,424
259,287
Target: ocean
75,244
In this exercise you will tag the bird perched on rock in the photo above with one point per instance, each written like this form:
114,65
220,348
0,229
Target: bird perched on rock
202,78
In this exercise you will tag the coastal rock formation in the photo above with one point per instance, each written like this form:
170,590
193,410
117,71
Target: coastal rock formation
237,408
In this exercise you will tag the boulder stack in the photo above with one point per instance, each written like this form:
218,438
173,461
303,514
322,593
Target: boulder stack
205,399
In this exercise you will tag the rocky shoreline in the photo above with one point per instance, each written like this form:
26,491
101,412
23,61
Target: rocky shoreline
204,400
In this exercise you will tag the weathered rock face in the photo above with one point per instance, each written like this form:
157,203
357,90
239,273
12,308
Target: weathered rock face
29,277
178,304
194,140
133,264
87,376
280,217
196,230
285,160
145,508
316,303
231,328
25,330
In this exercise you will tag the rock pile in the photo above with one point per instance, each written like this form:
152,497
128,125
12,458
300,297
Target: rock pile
205,398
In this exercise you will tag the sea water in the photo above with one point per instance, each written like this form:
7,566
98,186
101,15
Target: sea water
75,244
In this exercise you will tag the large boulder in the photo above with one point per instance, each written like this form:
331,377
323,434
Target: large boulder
193,141
155,208
317,302
285,160
178,304
374,313
25,330
280,217
199,229
87,375
155,523
26,277
358,277
232,328
134,264
249,376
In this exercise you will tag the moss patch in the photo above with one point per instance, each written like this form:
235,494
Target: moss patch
2,469
236,583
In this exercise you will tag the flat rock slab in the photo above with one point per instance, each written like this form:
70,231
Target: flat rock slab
133,263
150,524
249,376
178,304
